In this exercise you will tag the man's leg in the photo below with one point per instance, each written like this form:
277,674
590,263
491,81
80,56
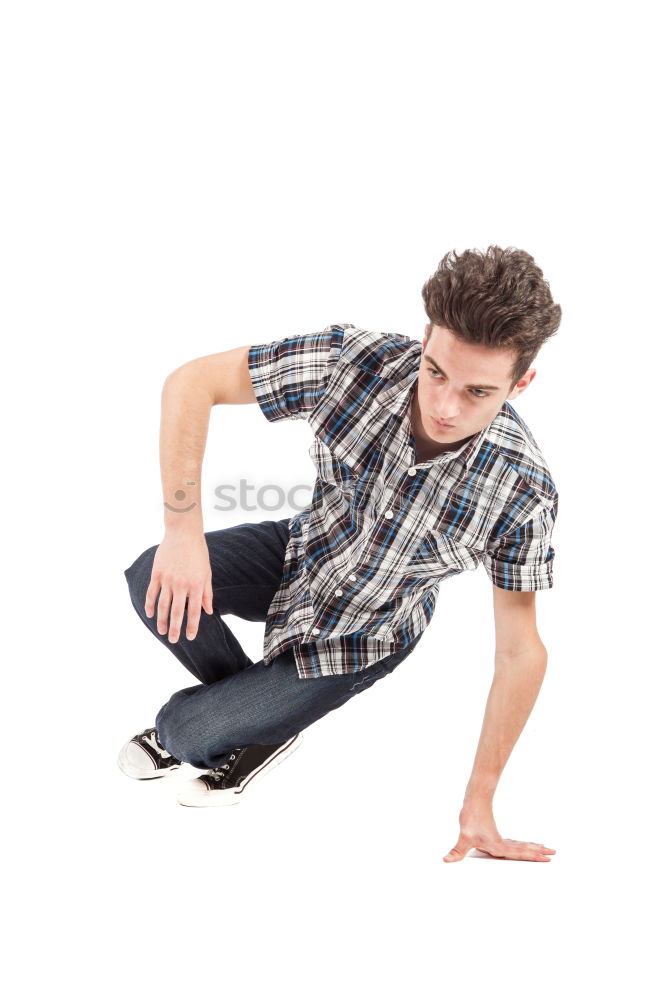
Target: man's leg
247,561
257,706
241,703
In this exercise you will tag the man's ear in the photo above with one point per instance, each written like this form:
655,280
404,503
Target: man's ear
522,383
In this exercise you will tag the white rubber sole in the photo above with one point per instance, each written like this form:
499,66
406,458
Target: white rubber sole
195,793
140,774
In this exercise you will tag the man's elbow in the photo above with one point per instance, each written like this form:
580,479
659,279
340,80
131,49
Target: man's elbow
223,377
185,381
526,650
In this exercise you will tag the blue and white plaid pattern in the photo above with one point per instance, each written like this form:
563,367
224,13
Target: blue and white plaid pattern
365,559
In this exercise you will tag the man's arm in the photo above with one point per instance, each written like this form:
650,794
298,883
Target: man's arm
520,665
181,568
188,395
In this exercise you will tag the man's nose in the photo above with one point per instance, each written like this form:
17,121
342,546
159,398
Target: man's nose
449,405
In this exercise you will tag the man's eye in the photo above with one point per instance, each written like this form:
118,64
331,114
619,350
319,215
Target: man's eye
477,393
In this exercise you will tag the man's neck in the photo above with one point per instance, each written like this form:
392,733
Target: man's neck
424,454
427,450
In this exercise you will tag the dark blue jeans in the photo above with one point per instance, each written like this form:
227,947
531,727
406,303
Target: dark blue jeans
240,703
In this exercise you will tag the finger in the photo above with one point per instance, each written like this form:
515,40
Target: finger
540,848
529,843
456,853
177,613
193,614
207,601
151,595
505,849
524,851
163,606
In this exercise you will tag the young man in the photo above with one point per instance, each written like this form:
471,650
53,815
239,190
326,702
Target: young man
424,470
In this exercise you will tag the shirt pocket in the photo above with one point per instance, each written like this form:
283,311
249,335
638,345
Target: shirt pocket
333,472
438,557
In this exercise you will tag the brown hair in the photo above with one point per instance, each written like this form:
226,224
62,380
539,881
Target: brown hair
498,298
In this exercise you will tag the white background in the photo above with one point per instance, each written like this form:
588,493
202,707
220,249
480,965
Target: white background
183,178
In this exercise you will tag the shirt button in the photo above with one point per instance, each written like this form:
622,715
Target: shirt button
316,631
339,593
352,576
388,513
411,472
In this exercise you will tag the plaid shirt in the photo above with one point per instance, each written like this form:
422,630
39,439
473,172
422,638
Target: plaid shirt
365,559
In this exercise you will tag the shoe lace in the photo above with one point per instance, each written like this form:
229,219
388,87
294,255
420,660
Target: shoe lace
150,736
220,771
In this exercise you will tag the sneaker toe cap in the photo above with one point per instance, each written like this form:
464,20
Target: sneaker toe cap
138,759
136,763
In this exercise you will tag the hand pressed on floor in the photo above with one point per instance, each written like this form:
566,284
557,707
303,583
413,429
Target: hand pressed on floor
478,831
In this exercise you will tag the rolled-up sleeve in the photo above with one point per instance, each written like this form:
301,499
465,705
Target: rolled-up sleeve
522,559
289,375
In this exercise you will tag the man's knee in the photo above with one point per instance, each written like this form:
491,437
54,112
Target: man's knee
138,576
179,729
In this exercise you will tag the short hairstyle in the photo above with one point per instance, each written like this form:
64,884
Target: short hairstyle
496,298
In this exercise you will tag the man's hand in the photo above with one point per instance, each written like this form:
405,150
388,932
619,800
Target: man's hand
181,572
478,830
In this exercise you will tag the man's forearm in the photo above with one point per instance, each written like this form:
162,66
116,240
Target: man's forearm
514,690
186,407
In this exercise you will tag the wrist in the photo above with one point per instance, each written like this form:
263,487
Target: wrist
480,792
476,811
183,526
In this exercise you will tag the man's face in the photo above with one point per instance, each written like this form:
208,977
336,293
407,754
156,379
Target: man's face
464,385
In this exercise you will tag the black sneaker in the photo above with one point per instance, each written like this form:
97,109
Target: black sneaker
224,785
144,757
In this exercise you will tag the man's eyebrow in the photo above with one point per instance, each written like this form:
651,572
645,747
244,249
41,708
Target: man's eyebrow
435,365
